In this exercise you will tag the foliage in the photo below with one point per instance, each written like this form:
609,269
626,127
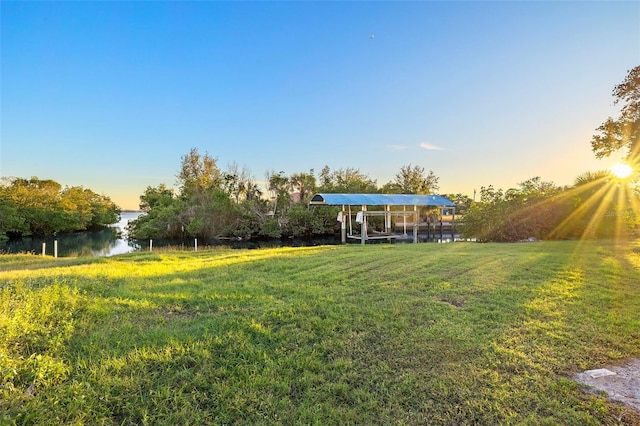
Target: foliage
304,184
624,132
280,189
10,219
605,206
210,203
42,207
533,209
270,228
383,334
413,180
198,173
347,180
302,221
462,202
596,206
239,184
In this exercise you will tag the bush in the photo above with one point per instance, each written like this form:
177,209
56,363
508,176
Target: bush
270,229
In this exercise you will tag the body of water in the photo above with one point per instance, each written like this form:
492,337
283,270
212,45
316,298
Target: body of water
113,240
106,242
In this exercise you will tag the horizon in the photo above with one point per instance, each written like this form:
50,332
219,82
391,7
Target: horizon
110,96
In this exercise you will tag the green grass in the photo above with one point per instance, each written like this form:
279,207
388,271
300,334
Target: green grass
383,334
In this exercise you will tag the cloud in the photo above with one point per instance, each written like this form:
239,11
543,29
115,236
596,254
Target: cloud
398,147
425,145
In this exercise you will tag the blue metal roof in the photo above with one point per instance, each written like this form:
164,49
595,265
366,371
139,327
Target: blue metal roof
380,200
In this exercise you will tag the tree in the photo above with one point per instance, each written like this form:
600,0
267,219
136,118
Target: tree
348,181
623,133
304,183
77,203
208,204
325,180
239,184
532,209
159,196
531,190
198,173
279,187
603,207
10,219
413,180
461,201
42,207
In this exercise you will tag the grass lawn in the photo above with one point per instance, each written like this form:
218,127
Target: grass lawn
445,334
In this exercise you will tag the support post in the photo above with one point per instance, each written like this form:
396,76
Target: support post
453,222
44,248
387,218
150,245
387,221
195,246
363,226
404,220
350,224
415,224
343,226
55,248
441,213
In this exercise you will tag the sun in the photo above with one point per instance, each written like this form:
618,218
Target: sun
621,170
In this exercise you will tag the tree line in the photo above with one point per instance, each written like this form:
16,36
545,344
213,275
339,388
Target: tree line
598,205
43,207
211,203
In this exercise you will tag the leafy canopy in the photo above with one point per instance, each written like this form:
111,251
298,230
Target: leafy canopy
624,132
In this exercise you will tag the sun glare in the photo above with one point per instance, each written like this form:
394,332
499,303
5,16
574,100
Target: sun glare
621,170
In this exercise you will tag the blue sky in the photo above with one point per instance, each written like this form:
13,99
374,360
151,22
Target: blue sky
110,95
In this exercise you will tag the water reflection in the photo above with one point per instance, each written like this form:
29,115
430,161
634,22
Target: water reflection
106,242
113,240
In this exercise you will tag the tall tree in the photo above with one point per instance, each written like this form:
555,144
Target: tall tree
279,188
413,180
624,132
239,184
160,196
347,180
326,185
197,173
304,183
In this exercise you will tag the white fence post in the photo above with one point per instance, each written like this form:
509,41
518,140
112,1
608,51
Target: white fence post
150,245
44,248
196,245
55,248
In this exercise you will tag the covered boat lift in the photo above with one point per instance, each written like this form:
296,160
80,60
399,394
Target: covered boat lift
386,201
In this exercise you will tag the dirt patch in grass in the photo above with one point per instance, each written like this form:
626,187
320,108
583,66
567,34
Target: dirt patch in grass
453,301
620,382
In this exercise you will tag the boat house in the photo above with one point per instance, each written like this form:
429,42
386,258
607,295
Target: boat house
398,206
